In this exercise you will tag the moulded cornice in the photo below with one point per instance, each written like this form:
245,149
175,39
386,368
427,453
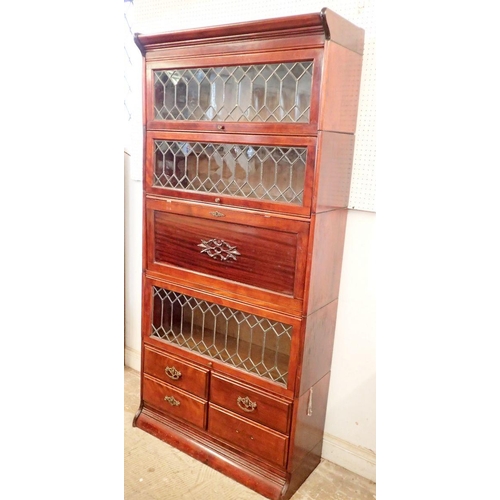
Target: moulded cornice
332,26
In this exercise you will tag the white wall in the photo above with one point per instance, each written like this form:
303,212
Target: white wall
350,421
350,427
133,266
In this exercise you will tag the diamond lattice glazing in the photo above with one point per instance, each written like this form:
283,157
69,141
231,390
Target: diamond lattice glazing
262,172
249,342
258,93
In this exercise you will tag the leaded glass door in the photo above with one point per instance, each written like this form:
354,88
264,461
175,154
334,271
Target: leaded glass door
272,90
258,93
253,343
254,171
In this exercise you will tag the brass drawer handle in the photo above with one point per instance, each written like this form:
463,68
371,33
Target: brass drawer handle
172,400
173,373
246,404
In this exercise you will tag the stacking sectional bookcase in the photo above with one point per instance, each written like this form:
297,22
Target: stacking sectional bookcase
248,151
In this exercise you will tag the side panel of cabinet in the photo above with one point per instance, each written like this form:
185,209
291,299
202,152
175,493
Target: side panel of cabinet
318,345
340,89
307,430
327,249
333,171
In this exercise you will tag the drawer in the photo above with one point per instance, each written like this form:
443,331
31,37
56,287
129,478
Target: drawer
180,374
248,436
250,403
250,249
174,402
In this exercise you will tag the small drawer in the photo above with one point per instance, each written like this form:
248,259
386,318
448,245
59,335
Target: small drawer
173,402
170,369
250,403
248,436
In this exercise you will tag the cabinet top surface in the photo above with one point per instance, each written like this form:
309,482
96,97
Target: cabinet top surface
327,23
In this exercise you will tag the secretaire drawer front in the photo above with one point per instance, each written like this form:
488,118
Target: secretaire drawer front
250,403
174,402
176,372
248,436
264,256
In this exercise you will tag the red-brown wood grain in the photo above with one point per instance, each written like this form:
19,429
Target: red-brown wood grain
333,171
263,477
307,428
214,364
318,345
267,28
342,31
243,434
255,256
226,200
269,410
327,249
219,47
189,377
326,23
184,406
273,251
229,126
287,264
340,89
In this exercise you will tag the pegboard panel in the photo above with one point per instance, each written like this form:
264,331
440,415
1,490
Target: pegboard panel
155,16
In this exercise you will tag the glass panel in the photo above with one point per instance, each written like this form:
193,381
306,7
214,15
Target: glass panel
262,172
260,93
249,342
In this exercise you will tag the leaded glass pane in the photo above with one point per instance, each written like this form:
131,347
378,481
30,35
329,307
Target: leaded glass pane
249,342
262,172
258,93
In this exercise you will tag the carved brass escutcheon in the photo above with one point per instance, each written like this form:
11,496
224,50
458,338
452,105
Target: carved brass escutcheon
218,249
